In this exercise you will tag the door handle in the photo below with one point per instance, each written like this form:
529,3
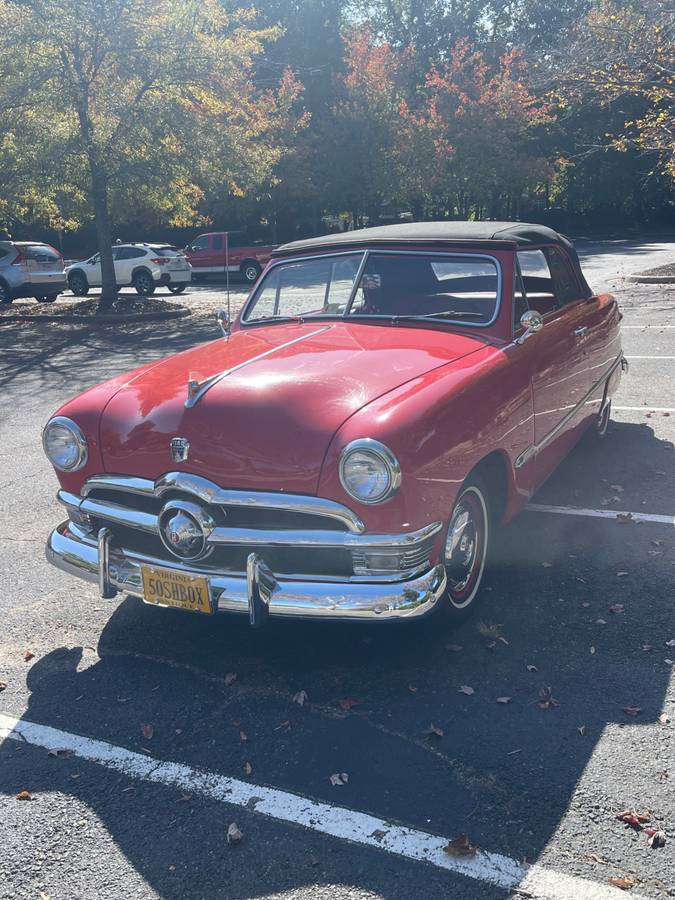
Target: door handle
579,331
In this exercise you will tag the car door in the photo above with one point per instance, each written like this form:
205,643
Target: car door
92,269
559,370
199,254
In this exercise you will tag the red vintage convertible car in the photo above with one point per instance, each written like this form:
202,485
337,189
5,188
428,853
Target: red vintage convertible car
346,450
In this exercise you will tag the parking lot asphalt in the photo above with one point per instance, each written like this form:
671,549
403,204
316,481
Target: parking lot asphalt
578,604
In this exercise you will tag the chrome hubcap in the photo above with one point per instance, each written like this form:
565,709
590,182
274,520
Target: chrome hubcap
461,547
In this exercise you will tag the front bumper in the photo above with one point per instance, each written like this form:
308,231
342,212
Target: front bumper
259,592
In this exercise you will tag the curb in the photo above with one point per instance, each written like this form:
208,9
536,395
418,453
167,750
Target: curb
650,279
103,319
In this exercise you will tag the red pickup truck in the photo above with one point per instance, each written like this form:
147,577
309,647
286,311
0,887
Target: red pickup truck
218,252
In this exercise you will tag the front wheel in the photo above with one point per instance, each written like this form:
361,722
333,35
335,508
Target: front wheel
144,284
78,284
466,550
177,288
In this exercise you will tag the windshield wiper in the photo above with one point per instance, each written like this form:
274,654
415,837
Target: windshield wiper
264,319
441,314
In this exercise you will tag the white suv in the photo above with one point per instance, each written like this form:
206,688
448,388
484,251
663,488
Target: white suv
145,266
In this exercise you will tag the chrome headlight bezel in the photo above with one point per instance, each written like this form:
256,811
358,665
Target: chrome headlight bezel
382,456
79,442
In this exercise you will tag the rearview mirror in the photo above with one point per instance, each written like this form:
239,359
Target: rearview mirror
223,320
532,322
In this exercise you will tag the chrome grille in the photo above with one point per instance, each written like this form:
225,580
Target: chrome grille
299,535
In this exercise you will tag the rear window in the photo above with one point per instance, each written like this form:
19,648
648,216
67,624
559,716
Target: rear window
41,253
166,251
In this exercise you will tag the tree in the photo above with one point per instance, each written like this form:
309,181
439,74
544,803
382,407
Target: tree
622,59
141,104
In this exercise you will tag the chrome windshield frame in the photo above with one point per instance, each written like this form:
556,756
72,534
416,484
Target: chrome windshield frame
347,315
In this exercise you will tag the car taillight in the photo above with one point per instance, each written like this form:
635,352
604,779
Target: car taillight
161,261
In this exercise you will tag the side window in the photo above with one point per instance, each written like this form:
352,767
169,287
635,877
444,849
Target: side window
135,253
565,284
216,242
200,243
537,281
520,304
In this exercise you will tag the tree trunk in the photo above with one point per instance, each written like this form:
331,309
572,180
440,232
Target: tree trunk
99,196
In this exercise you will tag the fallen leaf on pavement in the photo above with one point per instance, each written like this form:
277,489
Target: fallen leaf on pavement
24,795
60,751
621,574
3,685
147,730
28,654
300,698
624,883
242,735
662,776
248,768
547,565
656,838
546,699
617,487
600,622
582,730
531,668
283,726
433,730
633,817
460,846
454,648
339,778
503,699
647,648
632,710
592,650
616,608
670,643
347,703
413,689
233,833
230,678
625,518
664,719
465,689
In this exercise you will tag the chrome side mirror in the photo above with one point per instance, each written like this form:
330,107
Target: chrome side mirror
532,322
223,320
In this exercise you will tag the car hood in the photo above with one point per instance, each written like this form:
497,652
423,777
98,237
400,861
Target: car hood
277,396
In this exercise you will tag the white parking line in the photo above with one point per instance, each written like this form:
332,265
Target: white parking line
617,515
645,325
668,409
336,821
650,357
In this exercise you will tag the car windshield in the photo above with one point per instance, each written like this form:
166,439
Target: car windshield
383,285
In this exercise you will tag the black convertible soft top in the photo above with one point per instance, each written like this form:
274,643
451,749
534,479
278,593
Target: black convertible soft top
504,235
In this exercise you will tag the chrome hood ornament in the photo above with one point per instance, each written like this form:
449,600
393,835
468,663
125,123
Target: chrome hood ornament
180,447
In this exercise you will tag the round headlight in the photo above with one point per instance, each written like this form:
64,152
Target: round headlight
369,471
65,444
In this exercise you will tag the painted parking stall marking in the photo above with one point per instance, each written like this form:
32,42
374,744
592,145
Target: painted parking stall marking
617,515
334,821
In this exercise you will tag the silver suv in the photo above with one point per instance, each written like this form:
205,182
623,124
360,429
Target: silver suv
144,266
30,269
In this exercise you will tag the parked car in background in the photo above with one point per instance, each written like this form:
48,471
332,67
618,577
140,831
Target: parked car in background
384,401
144,266
218,252
30,269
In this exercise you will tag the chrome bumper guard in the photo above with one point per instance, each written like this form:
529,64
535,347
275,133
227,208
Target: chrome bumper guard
259,593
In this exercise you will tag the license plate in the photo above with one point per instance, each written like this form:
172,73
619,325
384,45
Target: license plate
166,587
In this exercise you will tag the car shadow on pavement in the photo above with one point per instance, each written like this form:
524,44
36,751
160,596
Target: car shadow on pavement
564,665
